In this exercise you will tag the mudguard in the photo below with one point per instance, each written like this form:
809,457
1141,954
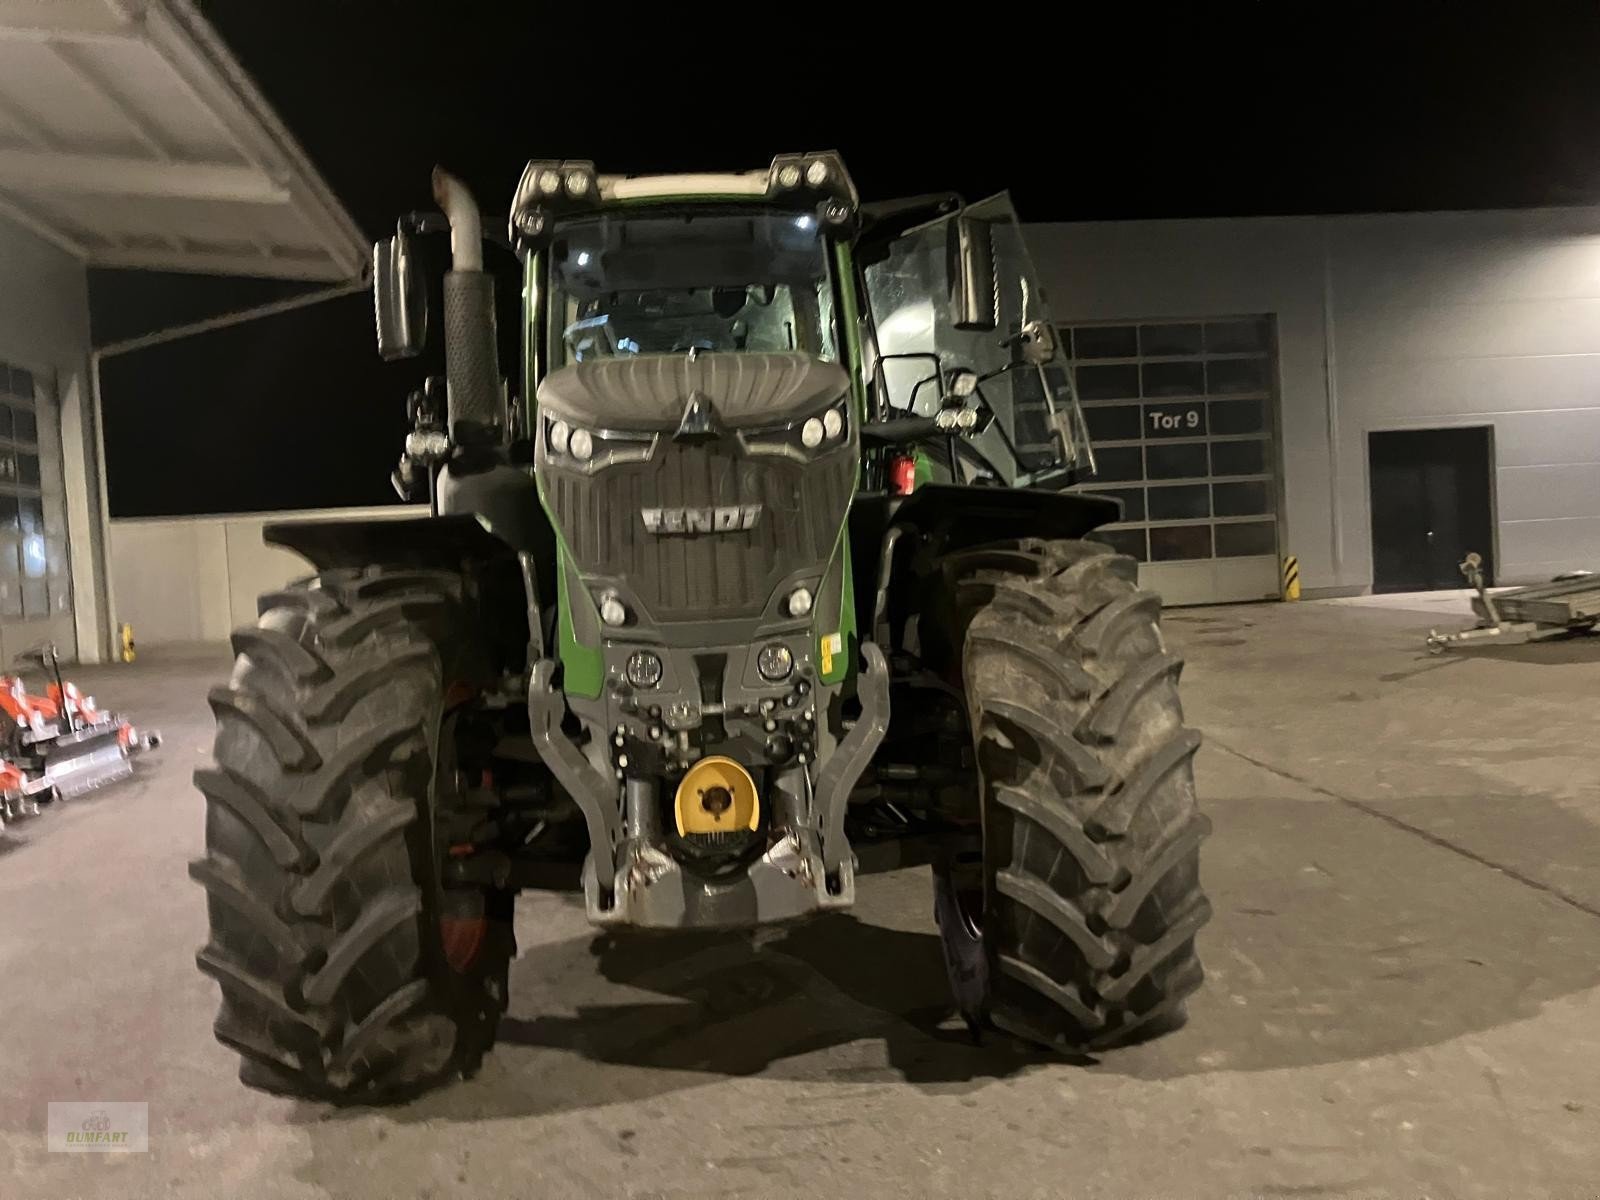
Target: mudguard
949,518
449,543
957,517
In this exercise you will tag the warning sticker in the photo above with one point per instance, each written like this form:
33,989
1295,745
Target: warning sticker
832,643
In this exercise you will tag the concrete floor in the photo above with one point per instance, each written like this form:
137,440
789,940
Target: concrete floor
1403,995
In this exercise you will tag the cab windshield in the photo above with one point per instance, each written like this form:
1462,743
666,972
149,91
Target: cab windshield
667,283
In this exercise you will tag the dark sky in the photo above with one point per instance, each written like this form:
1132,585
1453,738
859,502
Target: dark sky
1084,111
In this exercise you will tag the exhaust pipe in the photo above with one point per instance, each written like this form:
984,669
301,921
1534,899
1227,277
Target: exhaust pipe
472,361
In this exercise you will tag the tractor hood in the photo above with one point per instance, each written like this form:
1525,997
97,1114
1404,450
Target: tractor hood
648,392
695,498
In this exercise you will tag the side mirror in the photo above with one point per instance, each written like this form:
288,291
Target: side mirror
973,303
400,298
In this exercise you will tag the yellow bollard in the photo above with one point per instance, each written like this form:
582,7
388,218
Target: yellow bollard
1291,577
128,652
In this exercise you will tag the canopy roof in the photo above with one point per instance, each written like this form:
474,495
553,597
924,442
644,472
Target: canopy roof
131,137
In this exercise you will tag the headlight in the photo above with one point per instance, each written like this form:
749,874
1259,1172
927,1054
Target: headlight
799,602
644,669
550,181
789,175
577,183
817,173
799,439
612,611
774,662
956,418
588,450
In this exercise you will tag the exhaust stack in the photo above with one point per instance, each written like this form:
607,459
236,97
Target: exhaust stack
472,367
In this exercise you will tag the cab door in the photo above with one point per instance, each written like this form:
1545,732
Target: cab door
959,292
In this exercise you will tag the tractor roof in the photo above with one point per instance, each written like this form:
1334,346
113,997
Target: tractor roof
553,188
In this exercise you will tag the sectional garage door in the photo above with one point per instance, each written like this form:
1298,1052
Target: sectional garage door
1183,415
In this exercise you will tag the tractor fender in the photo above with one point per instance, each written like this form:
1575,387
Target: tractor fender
959,517
450,543
502,584
944,518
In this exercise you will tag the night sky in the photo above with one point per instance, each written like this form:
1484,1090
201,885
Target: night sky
1197,110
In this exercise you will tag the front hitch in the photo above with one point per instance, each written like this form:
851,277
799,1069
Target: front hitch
592,792
839,774
629,879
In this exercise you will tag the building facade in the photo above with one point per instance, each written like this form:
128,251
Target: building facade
52,560
1246,380
129,138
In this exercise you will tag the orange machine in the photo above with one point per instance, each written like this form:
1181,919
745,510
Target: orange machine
59,744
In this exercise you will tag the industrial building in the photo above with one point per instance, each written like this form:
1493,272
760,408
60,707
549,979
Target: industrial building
1301,348
129,138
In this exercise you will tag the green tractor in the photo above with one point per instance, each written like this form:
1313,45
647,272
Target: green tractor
766,576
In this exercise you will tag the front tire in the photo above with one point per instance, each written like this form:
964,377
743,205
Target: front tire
1089,877
345,969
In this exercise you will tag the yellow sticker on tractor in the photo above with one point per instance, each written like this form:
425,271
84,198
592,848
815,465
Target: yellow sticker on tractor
832,644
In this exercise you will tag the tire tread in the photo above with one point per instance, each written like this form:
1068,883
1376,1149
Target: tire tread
1092,834
322,938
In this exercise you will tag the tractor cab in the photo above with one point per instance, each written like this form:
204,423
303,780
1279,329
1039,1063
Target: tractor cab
932,306
729,280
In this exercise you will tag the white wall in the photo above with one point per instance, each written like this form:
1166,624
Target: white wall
44,327
182,580
1389,321
1474,319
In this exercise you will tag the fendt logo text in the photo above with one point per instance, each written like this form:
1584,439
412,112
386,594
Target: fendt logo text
728,518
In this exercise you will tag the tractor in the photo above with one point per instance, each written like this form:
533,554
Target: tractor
762,572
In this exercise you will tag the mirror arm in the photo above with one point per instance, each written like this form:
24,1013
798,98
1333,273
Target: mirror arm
911,403
999,371
900,432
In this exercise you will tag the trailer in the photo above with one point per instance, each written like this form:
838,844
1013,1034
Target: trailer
1569,604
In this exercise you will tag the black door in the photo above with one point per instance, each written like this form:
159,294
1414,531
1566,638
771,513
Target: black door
1430,507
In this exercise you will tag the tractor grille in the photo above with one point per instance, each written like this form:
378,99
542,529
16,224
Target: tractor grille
703,576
